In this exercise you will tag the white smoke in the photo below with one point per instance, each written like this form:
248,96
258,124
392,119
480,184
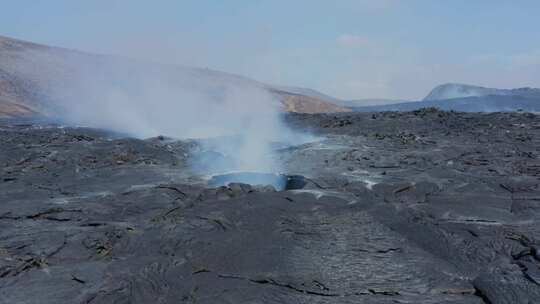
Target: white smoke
146,100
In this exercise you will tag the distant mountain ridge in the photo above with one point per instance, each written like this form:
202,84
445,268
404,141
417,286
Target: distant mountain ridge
305,92
456,90
370,102
30,73
488,103
468,98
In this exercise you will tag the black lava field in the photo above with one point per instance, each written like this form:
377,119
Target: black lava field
415,207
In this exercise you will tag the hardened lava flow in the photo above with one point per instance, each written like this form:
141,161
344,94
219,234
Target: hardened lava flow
416,207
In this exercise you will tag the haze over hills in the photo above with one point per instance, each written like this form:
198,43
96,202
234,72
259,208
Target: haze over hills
455,90
33,76
342,102
370,102
489,103
306,92
449,96
469,98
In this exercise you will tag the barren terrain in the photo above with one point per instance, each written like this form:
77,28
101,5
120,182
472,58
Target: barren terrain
416,207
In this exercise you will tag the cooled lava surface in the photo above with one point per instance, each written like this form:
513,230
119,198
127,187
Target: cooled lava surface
416,207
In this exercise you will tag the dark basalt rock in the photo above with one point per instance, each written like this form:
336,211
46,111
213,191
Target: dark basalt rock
422,207
295,182
277,181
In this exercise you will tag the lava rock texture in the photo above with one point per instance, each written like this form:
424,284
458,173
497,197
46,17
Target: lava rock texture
417,207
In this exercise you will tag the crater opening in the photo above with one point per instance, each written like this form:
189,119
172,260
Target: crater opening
279,181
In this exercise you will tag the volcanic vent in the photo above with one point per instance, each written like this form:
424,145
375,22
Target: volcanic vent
279,181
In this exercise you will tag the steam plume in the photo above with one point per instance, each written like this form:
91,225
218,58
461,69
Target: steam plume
146,100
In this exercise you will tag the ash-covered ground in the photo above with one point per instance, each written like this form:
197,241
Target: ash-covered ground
417,207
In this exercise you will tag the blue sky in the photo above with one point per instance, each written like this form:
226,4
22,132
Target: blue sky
349,48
